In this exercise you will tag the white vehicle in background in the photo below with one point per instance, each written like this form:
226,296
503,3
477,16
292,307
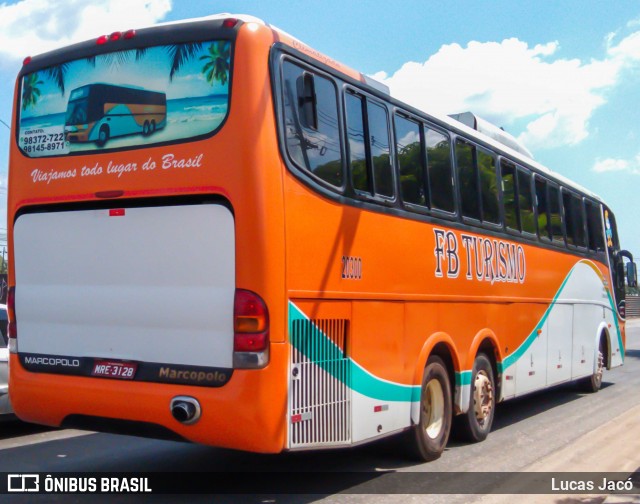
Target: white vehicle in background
5,405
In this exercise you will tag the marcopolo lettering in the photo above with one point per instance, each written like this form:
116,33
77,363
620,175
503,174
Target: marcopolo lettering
51,361
191,376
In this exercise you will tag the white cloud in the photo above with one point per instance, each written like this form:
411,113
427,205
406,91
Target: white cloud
508,81
619,165
34,26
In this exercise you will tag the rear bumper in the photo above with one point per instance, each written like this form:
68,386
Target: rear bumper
248,413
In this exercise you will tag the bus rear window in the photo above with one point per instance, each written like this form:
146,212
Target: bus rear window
125,99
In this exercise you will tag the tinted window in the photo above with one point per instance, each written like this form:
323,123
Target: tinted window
568,218
594,226
410,161
439,171
525,202
508,173
357,151
542,203
574,220
311,121
379,142
488,187
578,215
555,218
468,180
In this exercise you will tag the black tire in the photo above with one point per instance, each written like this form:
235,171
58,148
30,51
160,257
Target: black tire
593,383
146,128
103,136
153,126
427,440
474,425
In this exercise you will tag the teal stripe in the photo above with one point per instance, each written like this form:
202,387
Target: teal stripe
325,353
463,378
357,378
521,350
615,319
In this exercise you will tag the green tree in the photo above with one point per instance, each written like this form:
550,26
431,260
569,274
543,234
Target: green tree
30,91
181,54
216,67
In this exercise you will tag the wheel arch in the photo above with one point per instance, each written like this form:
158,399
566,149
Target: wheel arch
602,332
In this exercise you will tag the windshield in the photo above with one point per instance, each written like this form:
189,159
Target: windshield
77,112
125,99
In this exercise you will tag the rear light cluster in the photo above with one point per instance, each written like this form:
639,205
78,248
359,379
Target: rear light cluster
129,34
251,331
115,36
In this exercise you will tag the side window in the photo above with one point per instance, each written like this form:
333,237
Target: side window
574,219
380,150
569,218
356,136
440,171
555,217
578,214
311,123
468,180
410,161
525,202
511,212
542,204
594,226
489,187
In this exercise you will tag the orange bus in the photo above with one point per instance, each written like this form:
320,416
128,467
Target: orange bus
296,260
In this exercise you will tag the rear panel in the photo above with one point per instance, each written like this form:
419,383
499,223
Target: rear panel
152,285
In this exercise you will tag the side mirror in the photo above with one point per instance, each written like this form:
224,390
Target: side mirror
632,274
632,270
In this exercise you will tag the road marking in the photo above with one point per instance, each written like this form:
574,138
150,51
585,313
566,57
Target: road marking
42,437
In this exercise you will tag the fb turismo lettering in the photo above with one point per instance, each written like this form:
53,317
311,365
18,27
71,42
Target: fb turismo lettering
487,260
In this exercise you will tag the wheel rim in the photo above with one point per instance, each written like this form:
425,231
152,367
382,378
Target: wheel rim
482,397
433,409
103,136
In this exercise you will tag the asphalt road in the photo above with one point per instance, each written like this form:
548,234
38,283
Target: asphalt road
561,429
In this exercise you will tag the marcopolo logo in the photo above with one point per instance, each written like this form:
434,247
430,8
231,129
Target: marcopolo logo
51,361
170,374
23,482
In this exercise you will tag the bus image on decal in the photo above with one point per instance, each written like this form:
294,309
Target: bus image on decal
97,112
295,259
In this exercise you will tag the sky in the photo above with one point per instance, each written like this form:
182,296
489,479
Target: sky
563,77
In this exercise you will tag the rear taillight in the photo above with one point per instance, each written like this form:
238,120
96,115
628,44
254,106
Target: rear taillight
251,330
12,327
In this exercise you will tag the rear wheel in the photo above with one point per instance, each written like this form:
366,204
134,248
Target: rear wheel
146,129
594,382
475,424
428,439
